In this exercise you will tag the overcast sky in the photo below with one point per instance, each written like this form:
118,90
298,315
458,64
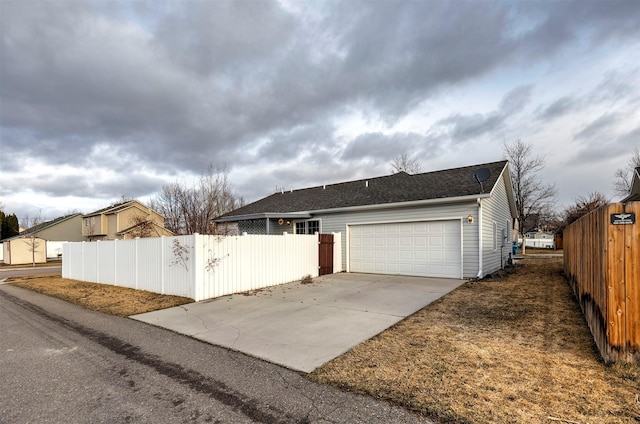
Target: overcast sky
100,99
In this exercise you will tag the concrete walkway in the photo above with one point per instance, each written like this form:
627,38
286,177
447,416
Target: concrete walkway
302,326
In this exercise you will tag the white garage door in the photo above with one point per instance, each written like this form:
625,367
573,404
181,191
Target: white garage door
426,249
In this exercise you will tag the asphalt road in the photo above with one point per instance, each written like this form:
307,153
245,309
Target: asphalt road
19,272
61,363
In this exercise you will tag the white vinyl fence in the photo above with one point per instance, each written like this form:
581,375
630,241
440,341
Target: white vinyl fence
196,266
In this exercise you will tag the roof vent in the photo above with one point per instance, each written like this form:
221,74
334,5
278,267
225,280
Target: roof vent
366,183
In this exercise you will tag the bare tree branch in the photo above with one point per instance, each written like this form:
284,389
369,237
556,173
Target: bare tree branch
623,176
402,162
532,196
189,210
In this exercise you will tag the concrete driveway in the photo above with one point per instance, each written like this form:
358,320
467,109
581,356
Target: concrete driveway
302,326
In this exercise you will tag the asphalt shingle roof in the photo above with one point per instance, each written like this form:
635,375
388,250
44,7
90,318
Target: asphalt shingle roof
395,188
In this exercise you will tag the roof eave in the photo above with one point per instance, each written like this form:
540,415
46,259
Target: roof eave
442,200
634,192
264,215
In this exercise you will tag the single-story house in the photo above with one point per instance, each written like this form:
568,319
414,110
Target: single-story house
47,236
24,249
634,193
539,239
454,223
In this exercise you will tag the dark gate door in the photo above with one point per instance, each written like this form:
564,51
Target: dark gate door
325,254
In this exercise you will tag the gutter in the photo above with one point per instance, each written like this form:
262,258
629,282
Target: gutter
264,215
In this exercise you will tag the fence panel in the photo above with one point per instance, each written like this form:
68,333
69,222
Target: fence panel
196,266
125,252
149,267
632,279
177,265
601,261
106,256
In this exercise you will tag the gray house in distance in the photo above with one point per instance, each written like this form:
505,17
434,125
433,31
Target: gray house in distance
454,223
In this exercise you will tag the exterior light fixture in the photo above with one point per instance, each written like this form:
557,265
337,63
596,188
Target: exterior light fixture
470,219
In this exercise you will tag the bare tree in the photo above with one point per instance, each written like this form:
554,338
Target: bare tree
189,210
29,222
143,226
623,176
402,162
532,196
583,205
33,243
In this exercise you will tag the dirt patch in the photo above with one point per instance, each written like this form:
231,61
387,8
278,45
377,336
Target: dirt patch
112,300
509,349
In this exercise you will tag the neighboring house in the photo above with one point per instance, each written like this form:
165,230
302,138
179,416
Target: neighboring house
539,235
24,249
47,236
125,220
539,239
634,193
437,224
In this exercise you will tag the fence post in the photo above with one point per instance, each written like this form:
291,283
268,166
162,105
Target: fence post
135,268
115,263
97,261
196,267
162,271
82,260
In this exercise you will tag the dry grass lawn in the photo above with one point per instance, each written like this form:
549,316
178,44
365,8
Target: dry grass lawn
512,350
112,300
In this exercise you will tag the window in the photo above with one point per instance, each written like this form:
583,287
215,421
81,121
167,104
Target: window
308,227
313,227
495,235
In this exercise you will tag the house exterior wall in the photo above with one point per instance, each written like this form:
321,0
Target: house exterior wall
18,251
496,238
287,226
67,230
92,227
338,222
112,226
127,218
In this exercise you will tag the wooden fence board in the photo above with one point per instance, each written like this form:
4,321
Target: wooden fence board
615,282
602,263
632,279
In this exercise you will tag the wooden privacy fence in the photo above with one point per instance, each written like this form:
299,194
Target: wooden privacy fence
198,266
602,262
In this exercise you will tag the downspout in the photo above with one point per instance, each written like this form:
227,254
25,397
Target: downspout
480,252
267,226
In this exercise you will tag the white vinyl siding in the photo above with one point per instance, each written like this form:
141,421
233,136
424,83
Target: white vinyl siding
496,210
338,222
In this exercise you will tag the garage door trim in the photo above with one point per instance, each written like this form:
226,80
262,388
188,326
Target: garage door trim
355,224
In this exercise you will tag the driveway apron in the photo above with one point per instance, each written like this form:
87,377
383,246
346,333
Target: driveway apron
302,326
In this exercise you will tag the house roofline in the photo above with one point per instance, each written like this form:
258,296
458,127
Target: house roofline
634,191
509,188
309,214
265,215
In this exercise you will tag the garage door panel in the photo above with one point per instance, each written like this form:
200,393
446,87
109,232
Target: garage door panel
411,248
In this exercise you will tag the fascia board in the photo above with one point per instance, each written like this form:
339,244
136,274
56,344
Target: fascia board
293,215
426,202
